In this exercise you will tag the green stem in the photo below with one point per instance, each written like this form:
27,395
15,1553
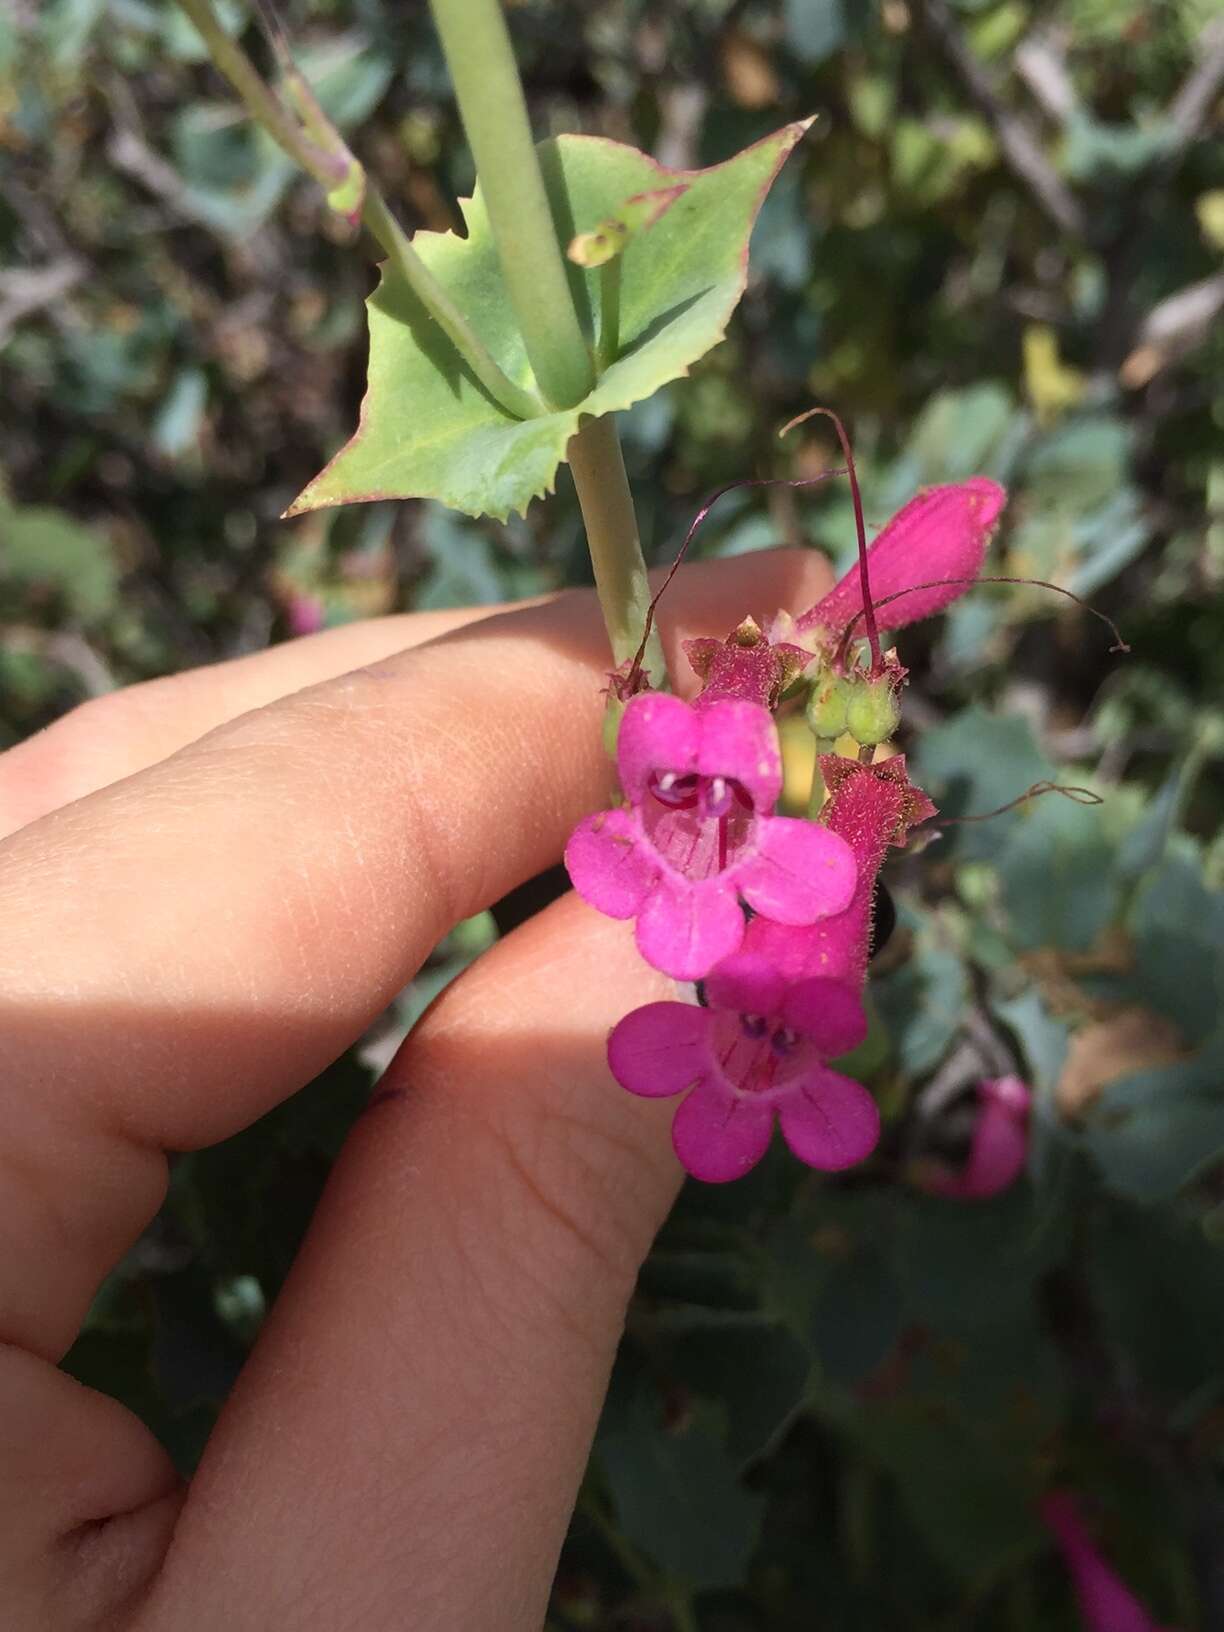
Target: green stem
328,167
620,572
260,100
479,55
609,313
481,62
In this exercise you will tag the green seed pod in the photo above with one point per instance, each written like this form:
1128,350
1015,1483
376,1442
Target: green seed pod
872,714
826,708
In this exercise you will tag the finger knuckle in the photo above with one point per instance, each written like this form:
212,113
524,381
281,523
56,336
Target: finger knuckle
573,1188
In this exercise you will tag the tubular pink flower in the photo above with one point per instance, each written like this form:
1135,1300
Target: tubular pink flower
871,807
758,1052
942,533
699,833
1105,1603
999,1149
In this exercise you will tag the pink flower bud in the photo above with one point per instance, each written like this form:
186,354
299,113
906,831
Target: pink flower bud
999,1149
940,534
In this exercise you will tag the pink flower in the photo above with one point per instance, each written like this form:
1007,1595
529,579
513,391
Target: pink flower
942,533
1105,1603
699,832
999,1149
759,1051
305,613
871,807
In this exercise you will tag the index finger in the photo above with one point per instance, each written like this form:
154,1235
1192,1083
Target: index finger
187,947
122,732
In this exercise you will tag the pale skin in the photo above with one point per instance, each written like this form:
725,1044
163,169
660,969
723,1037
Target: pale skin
210,886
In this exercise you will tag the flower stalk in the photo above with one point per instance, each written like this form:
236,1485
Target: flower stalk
598,467
476,44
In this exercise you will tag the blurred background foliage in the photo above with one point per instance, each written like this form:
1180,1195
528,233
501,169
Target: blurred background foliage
1000,250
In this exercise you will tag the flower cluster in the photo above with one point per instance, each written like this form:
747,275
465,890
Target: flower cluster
771,915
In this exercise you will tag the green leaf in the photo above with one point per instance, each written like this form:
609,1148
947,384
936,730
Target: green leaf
857,1318
1055,874
967,1497
922,1005
757,1373
960,1277
973,763
814,28
428,430
677,1491
962,433
1044,1041
49,551
1178,930
1159,1288
176,426
1151,1133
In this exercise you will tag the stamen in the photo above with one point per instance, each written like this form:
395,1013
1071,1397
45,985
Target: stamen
676,791
754,1025
783,1040
716,798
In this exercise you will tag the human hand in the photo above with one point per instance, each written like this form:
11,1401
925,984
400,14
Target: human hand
212,885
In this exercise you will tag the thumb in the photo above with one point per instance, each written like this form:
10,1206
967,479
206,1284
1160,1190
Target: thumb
408,1438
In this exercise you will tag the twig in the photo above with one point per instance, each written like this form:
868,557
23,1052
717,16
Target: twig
1189,109
682,109
25,290
1185,117
70,650
128,152
1019,146
1042,66
1172,329
40,221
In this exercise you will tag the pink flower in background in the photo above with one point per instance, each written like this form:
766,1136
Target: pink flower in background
759,1051
305,613
942,533
1105,1603
699,833
999,1149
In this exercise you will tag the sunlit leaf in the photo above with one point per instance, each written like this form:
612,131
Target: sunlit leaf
429,430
